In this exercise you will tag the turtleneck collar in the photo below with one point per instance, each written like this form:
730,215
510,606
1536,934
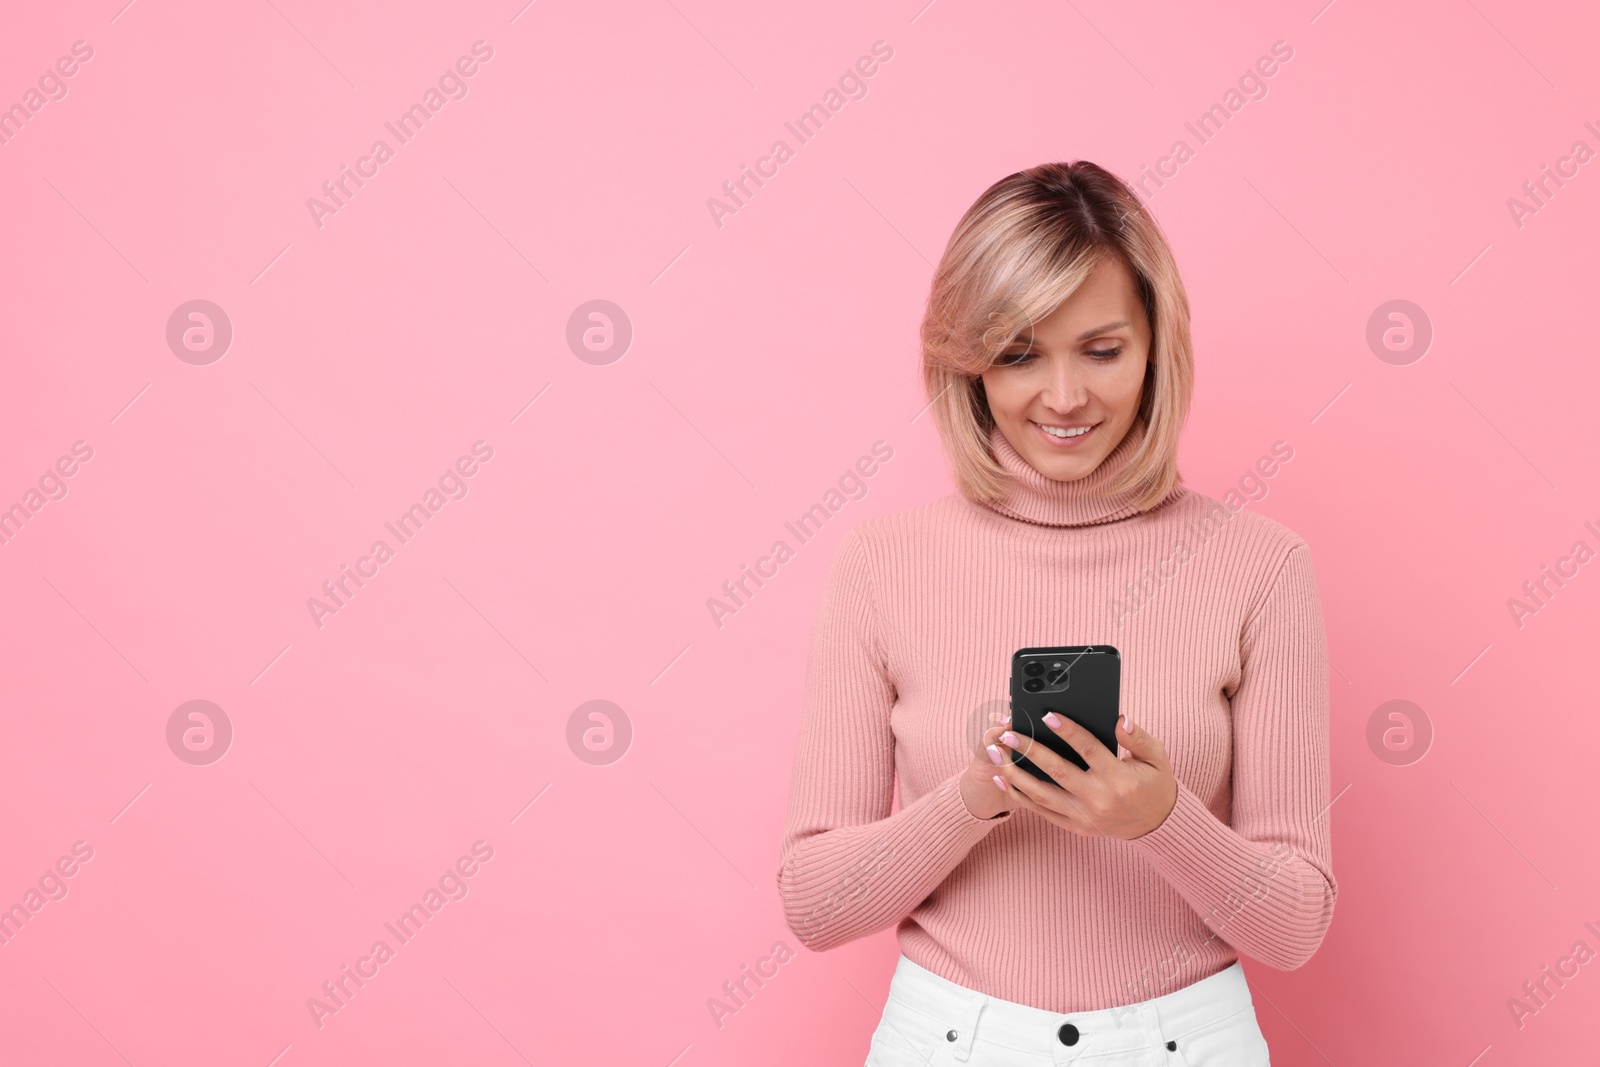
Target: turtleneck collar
1033,497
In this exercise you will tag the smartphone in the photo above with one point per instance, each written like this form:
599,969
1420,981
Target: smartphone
1079,682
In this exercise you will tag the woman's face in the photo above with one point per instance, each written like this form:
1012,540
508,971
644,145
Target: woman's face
1082,366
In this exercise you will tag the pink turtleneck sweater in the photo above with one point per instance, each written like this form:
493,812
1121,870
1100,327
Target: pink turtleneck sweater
1216,613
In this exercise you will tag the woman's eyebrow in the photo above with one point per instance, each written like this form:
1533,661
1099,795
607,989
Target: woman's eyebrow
1098,330
1027,339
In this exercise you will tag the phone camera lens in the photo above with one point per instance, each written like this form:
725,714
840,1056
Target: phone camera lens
1033,685
1033,669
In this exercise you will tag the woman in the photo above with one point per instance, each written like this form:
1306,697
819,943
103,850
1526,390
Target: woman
1103,917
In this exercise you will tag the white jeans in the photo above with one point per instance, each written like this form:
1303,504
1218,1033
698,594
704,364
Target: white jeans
930,1021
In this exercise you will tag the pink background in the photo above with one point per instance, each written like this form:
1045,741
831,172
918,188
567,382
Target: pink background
768,354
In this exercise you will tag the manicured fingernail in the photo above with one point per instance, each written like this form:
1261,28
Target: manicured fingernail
995,755
1011,739
1052,720
1127,724
1002,783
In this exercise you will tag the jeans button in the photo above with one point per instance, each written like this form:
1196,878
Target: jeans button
1068,1034
951,1036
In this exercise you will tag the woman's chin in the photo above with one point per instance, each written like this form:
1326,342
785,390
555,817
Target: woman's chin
1062,467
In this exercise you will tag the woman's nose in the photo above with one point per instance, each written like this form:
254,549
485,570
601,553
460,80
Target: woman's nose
1065,391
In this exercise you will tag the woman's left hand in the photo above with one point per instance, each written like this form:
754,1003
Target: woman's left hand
1116,797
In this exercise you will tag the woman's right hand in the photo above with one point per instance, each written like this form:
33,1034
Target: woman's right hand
980,789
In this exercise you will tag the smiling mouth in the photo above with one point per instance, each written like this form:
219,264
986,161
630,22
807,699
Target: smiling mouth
1065,434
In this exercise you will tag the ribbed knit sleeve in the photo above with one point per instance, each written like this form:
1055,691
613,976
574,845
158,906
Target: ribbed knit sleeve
848,867
1265,885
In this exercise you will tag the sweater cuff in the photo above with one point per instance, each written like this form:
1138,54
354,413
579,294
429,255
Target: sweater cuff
954,813
1190,829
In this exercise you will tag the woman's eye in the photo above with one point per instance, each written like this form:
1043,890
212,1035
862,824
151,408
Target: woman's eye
1106,355
1011,359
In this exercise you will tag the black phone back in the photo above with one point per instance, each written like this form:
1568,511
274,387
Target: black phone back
1080,682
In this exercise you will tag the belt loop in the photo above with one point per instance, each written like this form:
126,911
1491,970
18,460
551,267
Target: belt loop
967,1028
1140,1013
1158,1024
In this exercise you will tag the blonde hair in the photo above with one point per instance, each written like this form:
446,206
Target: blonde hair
1021,249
